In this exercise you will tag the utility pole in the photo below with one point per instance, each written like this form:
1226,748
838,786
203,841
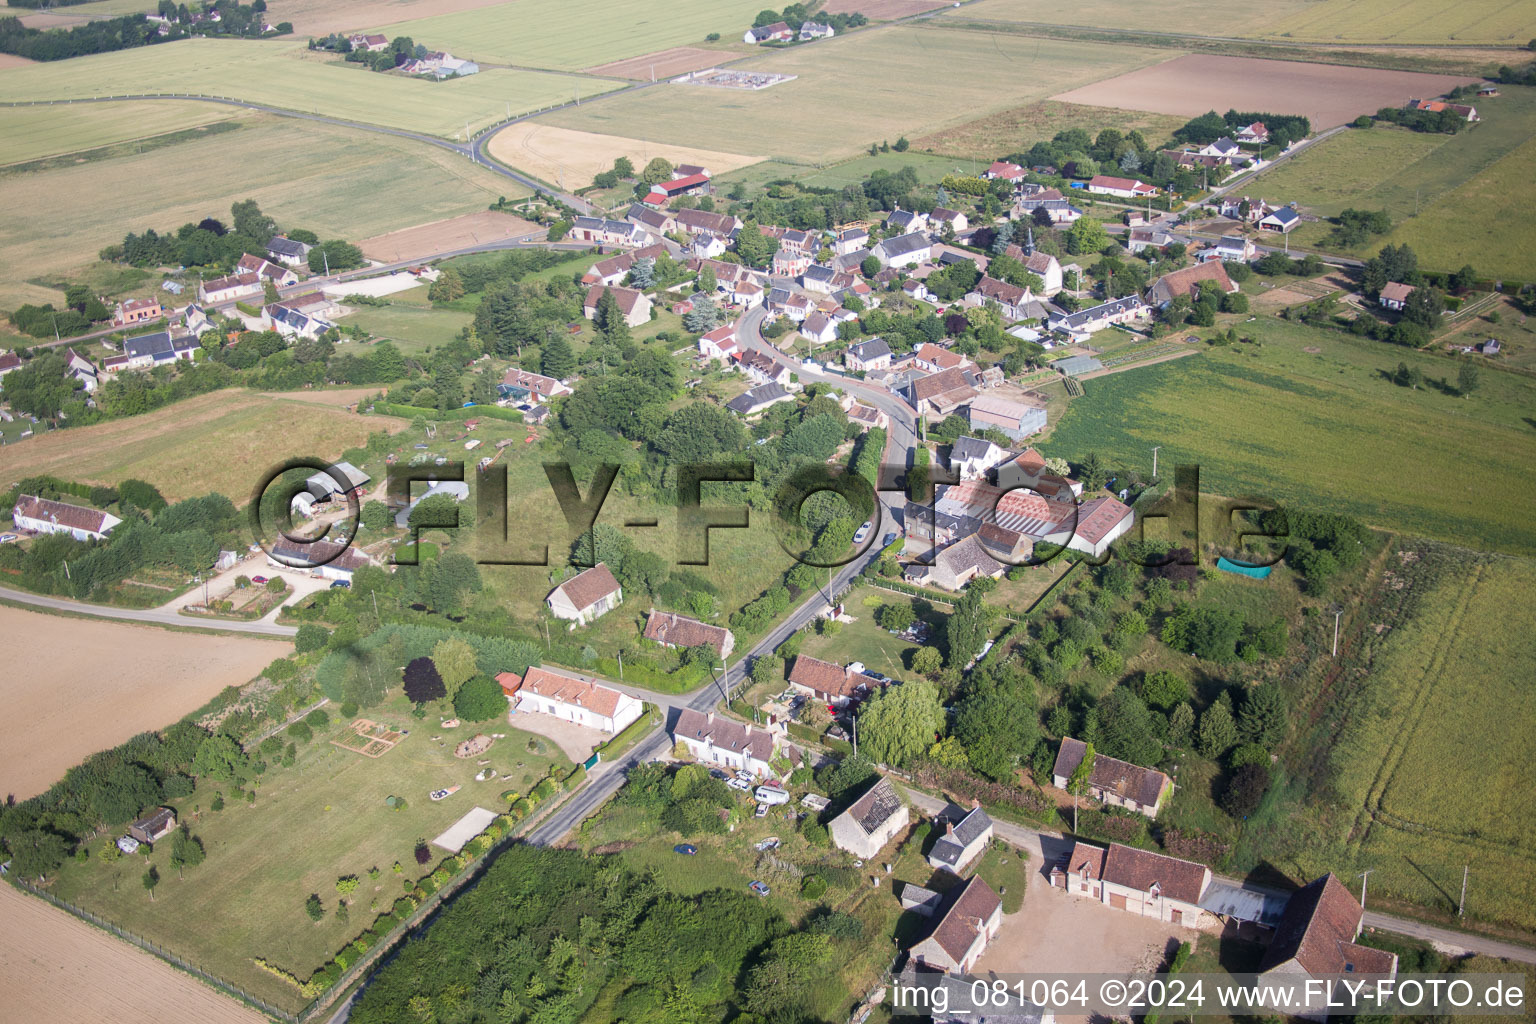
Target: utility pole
1461,905
621,666
1337,611
1365,876
1154,461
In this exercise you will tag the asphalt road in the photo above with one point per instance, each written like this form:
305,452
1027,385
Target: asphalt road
151,616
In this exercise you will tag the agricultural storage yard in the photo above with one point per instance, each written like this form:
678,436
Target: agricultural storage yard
284,74
247,899
79,686
568,35
574,157
339,182
1289,424
223,441
57,967
853,90
1329,94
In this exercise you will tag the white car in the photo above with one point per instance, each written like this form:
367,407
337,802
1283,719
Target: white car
762,811
739,784
858,538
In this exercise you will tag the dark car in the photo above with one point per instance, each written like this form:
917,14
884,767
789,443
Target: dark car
890,539
686,849
340,584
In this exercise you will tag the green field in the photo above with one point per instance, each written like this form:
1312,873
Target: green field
310,824
856,89
1015,130
284,74
1325,429
1453,677
339,182
1462,187
568,35
33,132
1344,21
413,327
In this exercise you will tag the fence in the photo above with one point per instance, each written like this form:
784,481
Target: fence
150,947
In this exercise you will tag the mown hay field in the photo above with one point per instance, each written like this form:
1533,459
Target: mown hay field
338,182
568,35
33,132
283,74
856,89
1441,768
224,441
1326,429
1015,130
1454,198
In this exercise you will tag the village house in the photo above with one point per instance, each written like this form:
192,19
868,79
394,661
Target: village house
956,566
719,345
1223,149
266,270
1096,318
1282,220
9,361
1048,269
829,683
1184,282
972,457
963,930
325,559
790,263
286,251
697,222
711,739
1142,238
77,367
1124,188
133,311
962,842
1002,169
868,356
600,231
1465,112
815,30
586,596
1016,419
373,43
304,315
652,221
819,328
868,417
939,393
759,399
614,269
229,289
1316,938
581,701
634,306
1012,300
926,524
672,630
1229,249
778,32
1253,134
932,358
154,350
784,302
871,821
906,221
43,515
1394,295
1112,781
850,240
518,385
763,369
1027,469
1055,205
942,218
1139,882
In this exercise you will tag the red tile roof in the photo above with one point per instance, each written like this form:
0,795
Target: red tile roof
75,517
579,692
589,587
966,917
681,631
1318,930
1125,780
1175,879
827,677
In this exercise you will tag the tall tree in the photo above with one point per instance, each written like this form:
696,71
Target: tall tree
898,724
556,358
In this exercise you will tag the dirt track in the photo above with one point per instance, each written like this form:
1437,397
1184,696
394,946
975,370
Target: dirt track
54,967
77,686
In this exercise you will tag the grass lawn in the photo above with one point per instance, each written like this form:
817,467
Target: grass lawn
855,89
1289,418
336,181
864,640
414,328
1449,195
568,35
224,441
283,74
310,824
1006,870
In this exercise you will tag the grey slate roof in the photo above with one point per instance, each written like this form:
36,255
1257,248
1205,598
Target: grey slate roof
968,448
287,247
903,244
871,349
743,405
951,847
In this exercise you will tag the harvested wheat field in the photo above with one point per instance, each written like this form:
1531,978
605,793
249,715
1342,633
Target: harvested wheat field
883,10
224,441
442,236
572,158
78,686
662,64
56,967
10,60
1328,94
322,17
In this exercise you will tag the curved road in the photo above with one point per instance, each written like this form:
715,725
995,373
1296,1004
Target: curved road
150,616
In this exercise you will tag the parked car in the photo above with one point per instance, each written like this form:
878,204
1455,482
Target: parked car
739,784
890,539
761,812
858,538
341,584
686,849
771,843
8,538
717,773
258,580
759,888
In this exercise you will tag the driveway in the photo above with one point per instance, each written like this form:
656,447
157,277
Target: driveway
576,741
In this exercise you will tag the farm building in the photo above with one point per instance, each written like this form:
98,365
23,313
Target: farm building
154,827
828,682
1112,781
288,252
321,558
586,596
672,630
963,930
1137,881
1316,937
871,821
42,515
